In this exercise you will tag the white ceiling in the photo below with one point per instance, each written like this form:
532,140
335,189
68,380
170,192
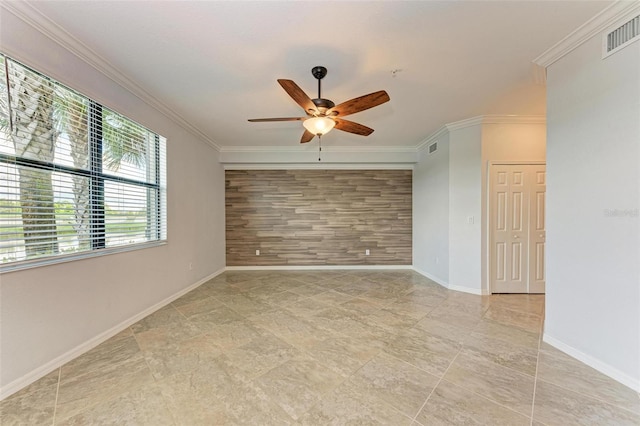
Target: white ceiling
216,63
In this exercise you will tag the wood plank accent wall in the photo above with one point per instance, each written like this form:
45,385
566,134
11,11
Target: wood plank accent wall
318,217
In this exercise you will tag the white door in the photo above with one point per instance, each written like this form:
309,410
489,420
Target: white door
516,226
537,230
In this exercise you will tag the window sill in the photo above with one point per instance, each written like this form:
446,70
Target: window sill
54,260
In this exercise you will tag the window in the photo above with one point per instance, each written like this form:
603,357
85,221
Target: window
75,177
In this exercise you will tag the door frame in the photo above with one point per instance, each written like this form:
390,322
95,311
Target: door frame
487,224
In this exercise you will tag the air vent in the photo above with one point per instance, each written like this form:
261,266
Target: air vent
622,36
433,147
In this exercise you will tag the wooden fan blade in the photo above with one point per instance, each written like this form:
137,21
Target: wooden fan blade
307,136
299,96
351,127
360,104
260,120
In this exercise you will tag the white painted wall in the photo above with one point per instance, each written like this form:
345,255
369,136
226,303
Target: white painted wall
431,212
465,202
593,168
510,142
47,312
450,188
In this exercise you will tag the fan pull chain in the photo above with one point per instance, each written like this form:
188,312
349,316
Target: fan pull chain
319,146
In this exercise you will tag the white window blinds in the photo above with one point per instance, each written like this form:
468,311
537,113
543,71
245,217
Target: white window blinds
75,177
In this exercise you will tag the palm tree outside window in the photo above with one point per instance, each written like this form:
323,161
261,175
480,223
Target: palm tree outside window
75,176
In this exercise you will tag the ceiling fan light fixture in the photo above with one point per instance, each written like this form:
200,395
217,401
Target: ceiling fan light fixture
319,125
321,112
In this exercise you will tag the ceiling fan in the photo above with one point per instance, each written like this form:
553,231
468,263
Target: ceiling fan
322,114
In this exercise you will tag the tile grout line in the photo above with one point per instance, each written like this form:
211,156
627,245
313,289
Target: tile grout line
484,397
515,327
512,369
471,334
596,398
153,376
436,386
55,405
346,379
380,351
535,379
507,367
532,376
342,382
384,402
168,408
472,391
142,353
136,386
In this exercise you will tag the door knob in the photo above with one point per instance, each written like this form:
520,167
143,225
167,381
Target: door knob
516,236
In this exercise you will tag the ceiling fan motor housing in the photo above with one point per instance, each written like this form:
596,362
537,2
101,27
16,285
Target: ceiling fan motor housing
323,104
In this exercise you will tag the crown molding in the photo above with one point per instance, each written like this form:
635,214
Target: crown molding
41,23
309,154
321,166
325,148
514,119
592,27
480,120
496,119
462,124
431,138
538,74
448,127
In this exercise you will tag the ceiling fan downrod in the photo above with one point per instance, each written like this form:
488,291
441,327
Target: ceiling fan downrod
319,73
322,105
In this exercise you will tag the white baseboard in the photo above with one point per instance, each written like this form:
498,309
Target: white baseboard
477,291
445,284
594,363
433,278
50,366
313,267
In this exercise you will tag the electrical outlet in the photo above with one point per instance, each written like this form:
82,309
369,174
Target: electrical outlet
257,252
191,266
367,252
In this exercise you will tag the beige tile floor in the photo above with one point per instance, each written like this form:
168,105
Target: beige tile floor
328,347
